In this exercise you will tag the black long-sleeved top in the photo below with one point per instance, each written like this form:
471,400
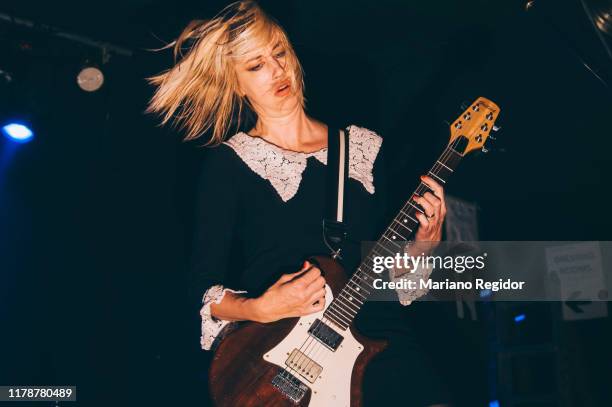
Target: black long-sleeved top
257,220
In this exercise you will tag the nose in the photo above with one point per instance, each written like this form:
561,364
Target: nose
277,68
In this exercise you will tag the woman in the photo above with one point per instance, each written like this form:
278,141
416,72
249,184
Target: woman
261,191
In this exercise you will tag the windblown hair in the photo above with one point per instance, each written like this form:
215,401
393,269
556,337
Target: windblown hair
200,93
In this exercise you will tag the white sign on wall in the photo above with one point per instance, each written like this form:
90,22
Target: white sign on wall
578,269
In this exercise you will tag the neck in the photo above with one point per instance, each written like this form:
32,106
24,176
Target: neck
291,130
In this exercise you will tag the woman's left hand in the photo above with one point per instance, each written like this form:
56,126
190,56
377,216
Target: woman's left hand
430,222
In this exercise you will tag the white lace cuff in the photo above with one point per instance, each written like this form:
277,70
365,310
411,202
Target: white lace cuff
211,326
407,296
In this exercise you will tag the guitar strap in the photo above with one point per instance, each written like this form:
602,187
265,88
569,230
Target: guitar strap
334,228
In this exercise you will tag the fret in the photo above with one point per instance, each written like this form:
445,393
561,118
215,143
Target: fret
335,321
419,210
393,241
341,313
337,316
359,286
451,154
343,300
361,280
363,297
394,228
402,225
413,219
437,177
444,165
395,235
385,249
351,301
344,311
425,188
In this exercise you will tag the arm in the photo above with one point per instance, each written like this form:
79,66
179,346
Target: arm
217,214
426,239
293,295
427,236
218,211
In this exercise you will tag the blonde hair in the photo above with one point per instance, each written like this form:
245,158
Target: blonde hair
200,92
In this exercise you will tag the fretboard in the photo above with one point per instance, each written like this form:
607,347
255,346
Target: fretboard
353,295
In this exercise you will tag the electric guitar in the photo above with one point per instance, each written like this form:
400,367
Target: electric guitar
320,359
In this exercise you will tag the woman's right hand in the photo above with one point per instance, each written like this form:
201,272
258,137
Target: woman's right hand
293,295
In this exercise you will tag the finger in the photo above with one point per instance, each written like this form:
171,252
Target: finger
433,185
316,296
311,275
314,287
433,200
316,284
290,276
423,220
427,207
317,306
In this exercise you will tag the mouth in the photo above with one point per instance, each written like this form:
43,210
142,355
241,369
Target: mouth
282,89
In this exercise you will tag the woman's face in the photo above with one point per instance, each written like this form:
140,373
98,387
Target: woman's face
264,80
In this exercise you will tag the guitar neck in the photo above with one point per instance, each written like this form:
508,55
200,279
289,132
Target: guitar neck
347,304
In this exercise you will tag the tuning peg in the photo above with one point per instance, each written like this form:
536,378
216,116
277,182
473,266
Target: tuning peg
464,105
491,137
485,150
496,128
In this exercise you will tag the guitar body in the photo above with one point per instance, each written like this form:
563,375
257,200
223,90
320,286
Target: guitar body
247,366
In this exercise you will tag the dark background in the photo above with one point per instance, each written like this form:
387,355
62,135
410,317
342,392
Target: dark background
96,212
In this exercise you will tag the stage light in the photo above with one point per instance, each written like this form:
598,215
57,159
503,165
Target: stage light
90,79
18,132
519,318
494,403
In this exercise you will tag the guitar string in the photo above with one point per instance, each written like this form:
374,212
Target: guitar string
317,347
308,353
421,188
348,310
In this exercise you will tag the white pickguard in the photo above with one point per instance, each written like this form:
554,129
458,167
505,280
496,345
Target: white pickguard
333,386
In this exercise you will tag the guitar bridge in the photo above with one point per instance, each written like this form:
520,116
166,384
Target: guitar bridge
289,386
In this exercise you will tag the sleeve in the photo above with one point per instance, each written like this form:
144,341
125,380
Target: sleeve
215,237
390,202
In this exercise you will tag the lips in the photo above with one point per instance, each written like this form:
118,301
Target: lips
283,87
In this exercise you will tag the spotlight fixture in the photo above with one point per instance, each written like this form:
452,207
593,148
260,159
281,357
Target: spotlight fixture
18,132
90,79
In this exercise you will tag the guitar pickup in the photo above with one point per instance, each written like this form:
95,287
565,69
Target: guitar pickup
326,335
304,365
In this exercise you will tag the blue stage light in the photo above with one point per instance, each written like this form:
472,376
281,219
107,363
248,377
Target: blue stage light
519,318
494,403
18,132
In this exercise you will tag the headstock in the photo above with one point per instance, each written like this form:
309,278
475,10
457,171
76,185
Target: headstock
475,125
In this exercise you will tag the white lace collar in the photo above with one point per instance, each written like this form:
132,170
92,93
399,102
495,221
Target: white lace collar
284,168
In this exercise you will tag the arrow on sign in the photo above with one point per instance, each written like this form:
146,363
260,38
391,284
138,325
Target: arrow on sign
574,304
